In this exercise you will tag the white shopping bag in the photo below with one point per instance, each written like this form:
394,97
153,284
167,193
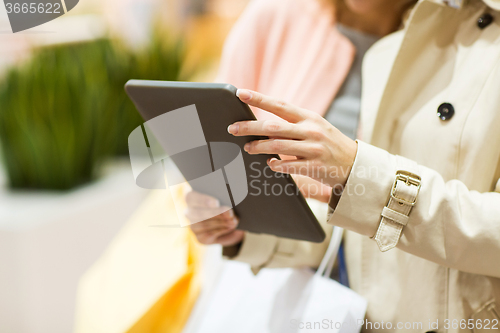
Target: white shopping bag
280,300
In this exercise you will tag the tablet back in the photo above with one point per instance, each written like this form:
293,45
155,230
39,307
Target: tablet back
189,122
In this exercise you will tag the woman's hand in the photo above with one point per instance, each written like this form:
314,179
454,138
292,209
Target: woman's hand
313,189
322,152
218,224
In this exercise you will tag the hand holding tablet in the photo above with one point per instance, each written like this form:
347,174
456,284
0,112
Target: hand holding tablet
188,123
322,152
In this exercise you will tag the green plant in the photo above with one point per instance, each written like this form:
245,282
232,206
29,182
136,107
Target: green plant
65,111
159,61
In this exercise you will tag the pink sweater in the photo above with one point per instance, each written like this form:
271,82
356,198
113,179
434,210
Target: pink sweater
287,49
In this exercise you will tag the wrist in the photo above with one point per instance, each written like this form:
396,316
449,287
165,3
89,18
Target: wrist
338,189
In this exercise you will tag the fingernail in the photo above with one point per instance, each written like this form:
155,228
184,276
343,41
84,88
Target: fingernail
229,213
247,147
271,161
233,129
234,222
273,166
243,94
213,203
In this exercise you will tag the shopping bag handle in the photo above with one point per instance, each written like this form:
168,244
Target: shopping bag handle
326,266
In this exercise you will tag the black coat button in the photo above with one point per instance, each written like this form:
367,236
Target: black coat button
445,111
485,20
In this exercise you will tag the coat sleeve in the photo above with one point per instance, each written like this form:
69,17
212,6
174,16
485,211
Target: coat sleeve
449,224
494,4
260,250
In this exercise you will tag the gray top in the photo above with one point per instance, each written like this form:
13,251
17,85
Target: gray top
344,111
345,108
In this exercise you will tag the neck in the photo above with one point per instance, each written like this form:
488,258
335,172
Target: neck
379,22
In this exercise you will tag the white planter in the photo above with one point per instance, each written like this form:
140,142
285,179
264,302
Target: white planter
48,240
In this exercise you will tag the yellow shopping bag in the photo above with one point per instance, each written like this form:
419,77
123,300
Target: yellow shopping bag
172,310
146,281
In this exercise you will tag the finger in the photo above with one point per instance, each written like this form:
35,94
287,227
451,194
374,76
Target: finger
282,109
212,224
270,128
286,147
197,199
293,167
231,238
211,236
196,215
202,214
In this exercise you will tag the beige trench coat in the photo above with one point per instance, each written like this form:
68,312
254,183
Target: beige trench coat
445,266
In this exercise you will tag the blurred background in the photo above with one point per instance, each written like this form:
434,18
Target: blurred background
66,187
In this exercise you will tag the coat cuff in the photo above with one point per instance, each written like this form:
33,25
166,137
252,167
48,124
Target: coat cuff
257,249
366,192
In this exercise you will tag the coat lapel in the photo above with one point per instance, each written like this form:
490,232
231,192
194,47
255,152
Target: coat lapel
420,68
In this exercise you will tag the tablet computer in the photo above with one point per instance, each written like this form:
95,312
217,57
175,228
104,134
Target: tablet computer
190,121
